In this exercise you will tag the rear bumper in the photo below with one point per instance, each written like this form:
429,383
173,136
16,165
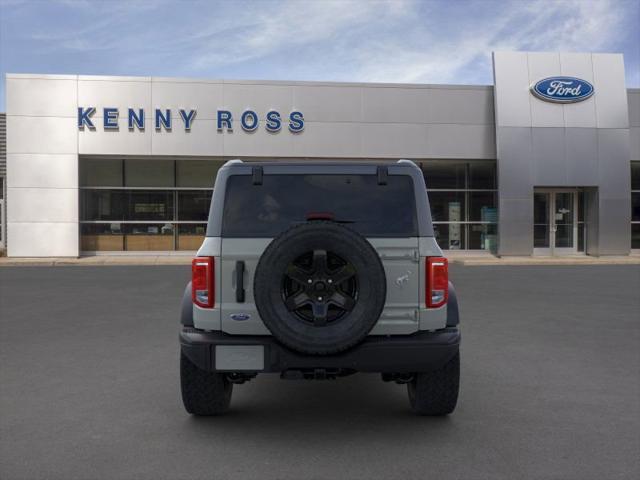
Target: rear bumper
420,352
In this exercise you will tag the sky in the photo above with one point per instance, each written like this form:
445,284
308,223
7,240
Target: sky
403,41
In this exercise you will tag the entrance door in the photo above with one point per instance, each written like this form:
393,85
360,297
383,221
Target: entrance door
555,228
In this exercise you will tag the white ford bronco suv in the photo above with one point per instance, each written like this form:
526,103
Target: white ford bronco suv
319,270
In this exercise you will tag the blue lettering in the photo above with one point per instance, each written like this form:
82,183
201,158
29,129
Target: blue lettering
84,117
110,118
225,119
163,120
136,120
274,124
249,120
296,122
187,118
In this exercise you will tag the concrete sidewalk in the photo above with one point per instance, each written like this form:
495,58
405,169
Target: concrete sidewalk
455,258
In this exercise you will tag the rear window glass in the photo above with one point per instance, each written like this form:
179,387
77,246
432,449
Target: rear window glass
357,201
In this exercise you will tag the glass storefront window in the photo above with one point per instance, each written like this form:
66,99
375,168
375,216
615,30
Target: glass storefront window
101,172
635,175
134,205
483,237
197,173
447,206
191,235
149,173
450,236
635,235
150,205
482,176
482,206
444,175
635,206
103,205
194,205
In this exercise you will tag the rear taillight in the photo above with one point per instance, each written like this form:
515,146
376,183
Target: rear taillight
202,282
437,281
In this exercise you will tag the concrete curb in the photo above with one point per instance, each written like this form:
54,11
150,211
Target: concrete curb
525,261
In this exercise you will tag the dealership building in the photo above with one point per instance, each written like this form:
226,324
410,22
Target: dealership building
546,161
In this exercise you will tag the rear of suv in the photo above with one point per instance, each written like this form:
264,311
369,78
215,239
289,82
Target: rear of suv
315,271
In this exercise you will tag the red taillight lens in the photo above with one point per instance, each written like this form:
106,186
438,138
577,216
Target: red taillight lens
437,281
202,282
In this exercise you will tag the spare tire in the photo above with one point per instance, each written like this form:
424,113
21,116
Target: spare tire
319,287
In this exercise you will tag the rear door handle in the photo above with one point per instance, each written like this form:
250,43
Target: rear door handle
240,281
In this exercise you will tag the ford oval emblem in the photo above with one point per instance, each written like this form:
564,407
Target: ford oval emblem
240,317
562,89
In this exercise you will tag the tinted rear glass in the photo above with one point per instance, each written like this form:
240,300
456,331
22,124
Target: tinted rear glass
285,200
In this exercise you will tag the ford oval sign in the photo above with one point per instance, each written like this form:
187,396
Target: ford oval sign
562,89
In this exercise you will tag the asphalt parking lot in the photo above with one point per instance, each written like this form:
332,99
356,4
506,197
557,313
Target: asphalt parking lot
550,387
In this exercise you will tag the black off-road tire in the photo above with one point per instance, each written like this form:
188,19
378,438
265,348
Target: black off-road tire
203,393
352,327
436,393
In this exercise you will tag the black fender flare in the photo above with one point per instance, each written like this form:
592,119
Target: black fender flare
453,314
186,308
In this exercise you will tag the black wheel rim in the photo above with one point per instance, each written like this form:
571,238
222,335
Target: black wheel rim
320,287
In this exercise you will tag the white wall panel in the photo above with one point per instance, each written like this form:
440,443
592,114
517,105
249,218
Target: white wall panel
114,93
43,97
41,135
258,143
206,98
394,140
327,140
203,139
121,141
322,103
42,239
42,205
260,98
395,105
42,171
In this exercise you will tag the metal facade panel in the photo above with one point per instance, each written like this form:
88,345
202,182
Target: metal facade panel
580,114
614,226
633,100
582,156
634,143
511,74
613,162
515,226
544,114
612,110
549,159
515,165
461,141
